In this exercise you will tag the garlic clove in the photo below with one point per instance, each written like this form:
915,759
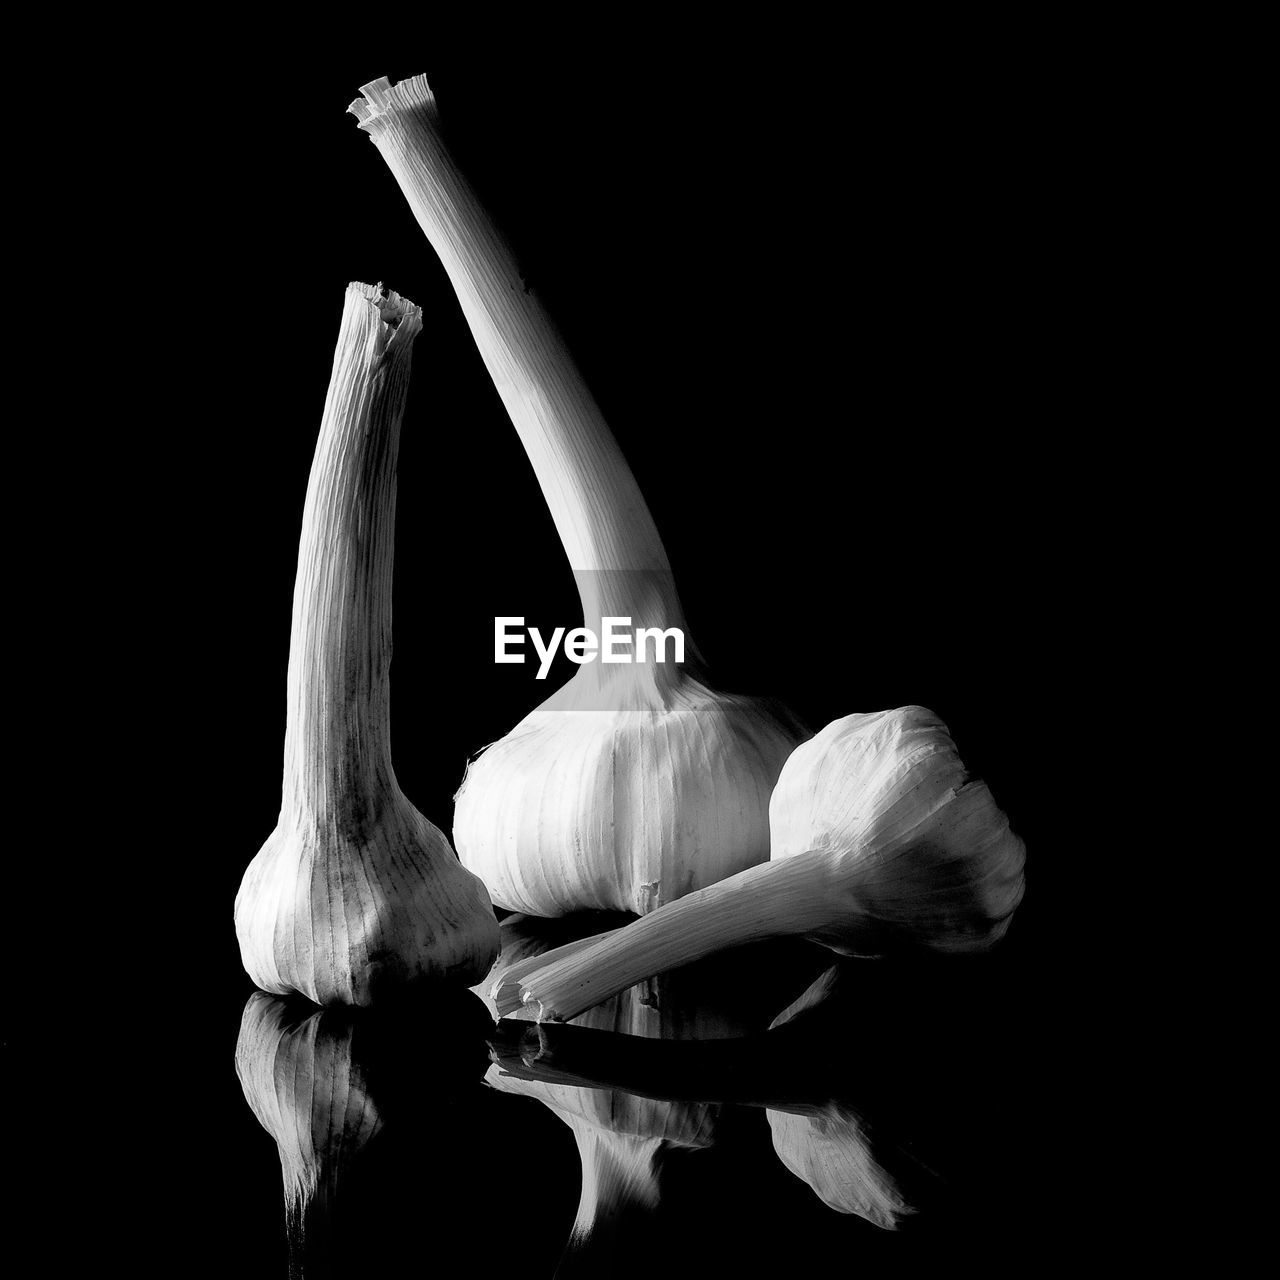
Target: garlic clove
355,896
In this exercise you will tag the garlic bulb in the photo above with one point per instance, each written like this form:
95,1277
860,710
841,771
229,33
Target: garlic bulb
354,893
879,841
635,783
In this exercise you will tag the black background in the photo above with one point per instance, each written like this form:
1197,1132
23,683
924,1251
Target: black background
830,292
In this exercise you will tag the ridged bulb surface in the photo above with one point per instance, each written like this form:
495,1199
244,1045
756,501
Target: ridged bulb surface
348,916
622,810
916,848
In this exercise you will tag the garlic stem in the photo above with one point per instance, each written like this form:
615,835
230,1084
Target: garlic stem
503,993
337,741
769,900
600,515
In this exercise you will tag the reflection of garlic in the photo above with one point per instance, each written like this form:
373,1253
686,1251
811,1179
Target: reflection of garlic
635,783
829,1145
879,841
845,1159
308,1092
828,1149
622,1140
355,892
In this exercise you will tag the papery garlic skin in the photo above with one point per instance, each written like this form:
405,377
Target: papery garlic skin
355,895
918,851
622,810
628,788
351,917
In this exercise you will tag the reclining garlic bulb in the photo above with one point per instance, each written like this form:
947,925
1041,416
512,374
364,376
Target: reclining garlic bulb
355,892
880,841
635,783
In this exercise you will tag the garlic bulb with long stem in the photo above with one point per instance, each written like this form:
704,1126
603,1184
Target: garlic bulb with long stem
880,841
635,783
355,894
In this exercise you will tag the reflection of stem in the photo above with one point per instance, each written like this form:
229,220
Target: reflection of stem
758,1070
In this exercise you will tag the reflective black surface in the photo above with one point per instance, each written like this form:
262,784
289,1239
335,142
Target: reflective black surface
765,1108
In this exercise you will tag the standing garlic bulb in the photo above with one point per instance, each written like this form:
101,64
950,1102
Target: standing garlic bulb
879,841
355,892
635,783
